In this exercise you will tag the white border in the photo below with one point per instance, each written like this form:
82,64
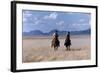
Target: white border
21,65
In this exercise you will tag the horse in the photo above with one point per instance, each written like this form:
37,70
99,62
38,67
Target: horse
55,42
67,43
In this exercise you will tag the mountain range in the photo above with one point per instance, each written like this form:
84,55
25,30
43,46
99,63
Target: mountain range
62,33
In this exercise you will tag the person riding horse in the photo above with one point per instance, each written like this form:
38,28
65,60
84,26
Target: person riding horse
55,41
67,41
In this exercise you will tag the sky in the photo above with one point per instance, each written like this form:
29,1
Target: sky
46,21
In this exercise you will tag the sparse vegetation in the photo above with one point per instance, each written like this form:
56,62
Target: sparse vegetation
39,50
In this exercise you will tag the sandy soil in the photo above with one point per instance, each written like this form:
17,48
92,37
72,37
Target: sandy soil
37,49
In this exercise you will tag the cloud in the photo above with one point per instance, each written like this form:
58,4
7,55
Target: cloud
61,23
27,14
24,19
31,20
80,26
34,21
82,20
51,16
37,22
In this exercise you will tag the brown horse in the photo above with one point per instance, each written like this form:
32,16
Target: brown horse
55,42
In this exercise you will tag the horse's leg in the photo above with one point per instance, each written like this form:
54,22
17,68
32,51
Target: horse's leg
55,48
68,47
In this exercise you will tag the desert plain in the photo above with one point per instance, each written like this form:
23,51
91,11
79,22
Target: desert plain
38,49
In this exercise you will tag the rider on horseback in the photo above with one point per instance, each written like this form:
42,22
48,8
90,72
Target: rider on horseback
55,41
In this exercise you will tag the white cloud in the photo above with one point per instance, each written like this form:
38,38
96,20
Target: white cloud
81,20
61,23
27,11
51,16
80,24
35,19
27,14
24,19
37,22
31,21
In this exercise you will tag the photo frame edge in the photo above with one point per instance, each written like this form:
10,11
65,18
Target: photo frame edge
13,36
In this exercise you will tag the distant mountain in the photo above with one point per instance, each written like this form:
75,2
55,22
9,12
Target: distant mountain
40,33
59,32
88,31
32,33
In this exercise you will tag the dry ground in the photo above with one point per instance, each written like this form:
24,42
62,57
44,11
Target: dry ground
37,49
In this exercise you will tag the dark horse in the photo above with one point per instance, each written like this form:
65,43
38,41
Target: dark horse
67,41
55,41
